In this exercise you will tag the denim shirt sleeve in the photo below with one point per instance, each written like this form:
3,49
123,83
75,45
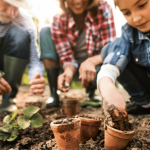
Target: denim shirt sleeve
118,52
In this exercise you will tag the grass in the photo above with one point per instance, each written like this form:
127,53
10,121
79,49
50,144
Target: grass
74,84
25,80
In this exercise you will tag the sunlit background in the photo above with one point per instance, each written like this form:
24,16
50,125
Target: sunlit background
42,14
44,10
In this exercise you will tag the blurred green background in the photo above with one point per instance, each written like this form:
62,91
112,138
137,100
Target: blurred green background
25,80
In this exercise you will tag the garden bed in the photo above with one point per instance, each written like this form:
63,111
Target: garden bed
43,138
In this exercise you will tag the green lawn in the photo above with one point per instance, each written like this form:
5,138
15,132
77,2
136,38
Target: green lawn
25,80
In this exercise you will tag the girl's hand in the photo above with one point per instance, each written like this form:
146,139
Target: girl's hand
63,82
87,73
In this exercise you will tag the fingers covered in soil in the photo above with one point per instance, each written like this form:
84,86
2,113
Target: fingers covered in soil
114,118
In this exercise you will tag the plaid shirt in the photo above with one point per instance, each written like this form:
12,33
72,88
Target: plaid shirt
100,30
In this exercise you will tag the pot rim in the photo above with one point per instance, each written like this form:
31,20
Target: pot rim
57,125
119,133
62,128
90,122
71,99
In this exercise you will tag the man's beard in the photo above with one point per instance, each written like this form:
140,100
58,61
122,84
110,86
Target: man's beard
5,19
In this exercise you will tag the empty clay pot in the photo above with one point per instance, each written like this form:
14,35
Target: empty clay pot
67,135
116,139
89,128
70,106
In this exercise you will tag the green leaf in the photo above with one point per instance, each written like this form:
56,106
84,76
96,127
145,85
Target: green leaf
14,114
13,136
36,121
23,123
7,119
30,111
15,125
6,128
4,136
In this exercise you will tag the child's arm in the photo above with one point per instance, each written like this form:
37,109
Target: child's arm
111,94
114,105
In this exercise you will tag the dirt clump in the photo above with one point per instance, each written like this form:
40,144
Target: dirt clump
114,118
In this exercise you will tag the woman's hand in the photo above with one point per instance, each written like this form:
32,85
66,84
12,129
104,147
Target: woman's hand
64,80
37,85
87,72
5,88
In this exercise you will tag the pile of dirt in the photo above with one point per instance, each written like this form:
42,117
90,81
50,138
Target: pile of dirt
43,138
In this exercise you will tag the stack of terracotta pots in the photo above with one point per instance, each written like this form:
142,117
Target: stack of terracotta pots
70,132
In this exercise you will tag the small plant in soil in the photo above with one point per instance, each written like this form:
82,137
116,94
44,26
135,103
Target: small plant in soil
13,126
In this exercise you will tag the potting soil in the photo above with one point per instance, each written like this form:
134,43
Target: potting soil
43,138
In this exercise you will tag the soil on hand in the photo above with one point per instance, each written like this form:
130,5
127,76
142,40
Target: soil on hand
114,118
43,138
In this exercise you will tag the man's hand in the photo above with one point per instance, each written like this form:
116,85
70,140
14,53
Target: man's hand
115,118
37,85
63,82
4,87
87,72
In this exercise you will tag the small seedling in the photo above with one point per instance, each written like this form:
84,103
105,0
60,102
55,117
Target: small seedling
11,130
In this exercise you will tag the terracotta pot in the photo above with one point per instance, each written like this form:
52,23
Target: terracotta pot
70,106
116,139
89,128
67,136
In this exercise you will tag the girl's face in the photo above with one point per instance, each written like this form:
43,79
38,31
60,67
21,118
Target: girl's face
78,6
137,13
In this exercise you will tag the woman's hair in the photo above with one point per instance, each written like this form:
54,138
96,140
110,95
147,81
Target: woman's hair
65,10
115,2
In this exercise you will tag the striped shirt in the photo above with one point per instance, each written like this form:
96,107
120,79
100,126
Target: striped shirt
35,66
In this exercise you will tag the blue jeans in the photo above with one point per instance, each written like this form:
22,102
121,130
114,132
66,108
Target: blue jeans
16,43
48,50
135,79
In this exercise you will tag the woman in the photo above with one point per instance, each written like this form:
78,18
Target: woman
77,35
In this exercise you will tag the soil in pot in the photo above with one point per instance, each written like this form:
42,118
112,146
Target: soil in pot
67,133
117,136
70,105
89,127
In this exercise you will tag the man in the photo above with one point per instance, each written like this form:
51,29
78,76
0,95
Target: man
17,49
